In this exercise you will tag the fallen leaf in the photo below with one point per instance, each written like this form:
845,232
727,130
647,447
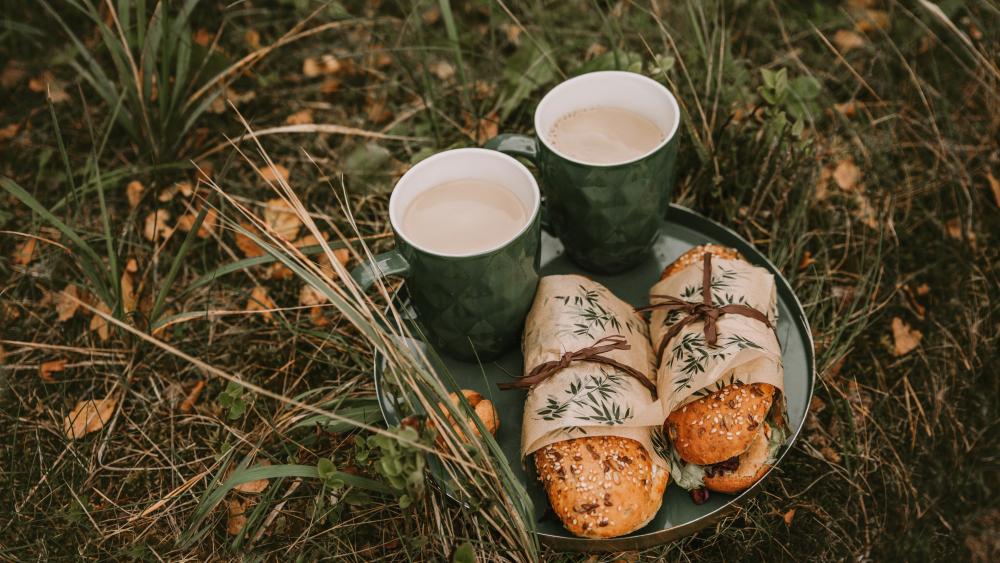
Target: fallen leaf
131,266
46,370
311,68
513,33
845,40
156,226
281,218
846,175
923,289
830,454
994,187
185,188
788,517
25,252
484,129
13,73
252,38
443,70
133,191
905,338
847,109
186,222
275,171
237,518
327,64
807,260
9,131
88,416
309,239
873,20
99,324
300,118
309,296
431,16
377,109
204,171
866,211
954,228
483,89
382,58
202,37
816,405
260,301
130,298
278,271
192,397
255,487
250,248
329,86
67,303
53,88
821,192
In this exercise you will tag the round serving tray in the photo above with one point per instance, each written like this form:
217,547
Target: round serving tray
678,517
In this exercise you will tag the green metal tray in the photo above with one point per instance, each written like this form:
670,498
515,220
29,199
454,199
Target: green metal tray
678,517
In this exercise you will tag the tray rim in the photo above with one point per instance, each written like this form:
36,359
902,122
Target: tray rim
660,537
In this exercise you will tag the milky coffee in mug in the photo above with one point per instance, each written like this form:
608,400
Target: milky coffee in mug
604,135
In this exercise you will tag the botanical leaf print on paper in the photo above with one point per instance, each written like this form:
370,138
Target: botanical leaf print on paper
721,285
691,354
586,316
590,398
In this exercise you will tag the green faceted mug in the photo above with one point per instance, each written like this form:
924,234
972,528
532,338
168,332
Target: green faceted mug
471,306
606,215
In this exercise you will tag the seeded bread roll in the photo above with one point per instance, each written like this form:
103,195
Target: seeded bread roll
752,466
601,487
694,256
720,425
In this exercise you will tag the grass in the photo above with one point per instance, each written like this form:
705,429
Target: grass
781,101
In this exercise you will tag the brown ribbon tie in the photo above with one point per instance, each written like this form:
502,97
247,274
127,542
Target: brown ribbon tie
700,311
593,354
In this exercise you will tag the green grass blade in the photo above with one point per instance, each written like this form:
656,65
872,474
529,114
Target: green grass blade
175,265
251,262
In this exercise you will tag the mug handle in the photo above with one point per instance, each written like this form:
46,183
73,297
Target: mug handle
513,144
381,265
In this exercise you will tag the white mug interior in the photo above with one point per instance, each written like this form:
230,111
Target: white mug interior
625,90
464,164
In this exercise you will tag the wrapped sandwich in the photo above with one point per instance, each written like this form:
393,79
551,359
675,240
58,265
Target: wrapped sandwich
592,408
719,370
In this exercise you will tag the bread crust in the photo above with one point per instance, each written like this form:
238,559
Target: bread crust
601,487
753,466
694,256
720,425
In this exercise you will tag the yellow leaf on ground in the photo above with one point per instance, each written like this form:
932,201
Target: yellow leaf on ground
237,519
131,266
155,226
192,397
67,302
89,416
246,244
954,228
53,88
845,40
271,174
133,191
255,487
309,295
186,222
329,86
994,186
788,517
9,131
872,20
202,37
130,299
300,118
309,239
847,174
443,70
281,218
46,370
278,271
252,38
905,338
847,109
25,252
98,324
830,454
260,301
327,64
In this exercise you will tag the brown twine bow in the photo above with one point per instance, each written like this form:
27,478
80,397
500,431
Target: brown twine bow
592,353
703,311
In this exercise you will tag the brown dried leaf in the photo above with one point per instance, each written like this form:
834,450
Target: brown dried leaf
329,86
300,118
46,370
246,244
131,266
255,487
271,174
192,397
67,303
155,226
252,38
816,405
278,271
25,252
443,70
260,301
133,191
13,73
954,228
46,82
9,131
807,260
130,298
846,175
281,218
309,295
923,289
89,416
309,239
788,517
99,324
830,454
905,338
431,16
845,40
237,518
202,37
873,20
994,187
513,33
327,64
186,222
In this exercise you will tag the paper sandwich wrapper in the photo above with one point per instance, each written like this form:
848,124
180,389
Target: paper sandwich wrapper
572,312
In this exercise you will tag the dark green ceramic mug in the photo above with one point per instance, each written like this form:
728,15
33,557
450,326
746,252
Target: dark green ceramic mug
607,215
471,306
